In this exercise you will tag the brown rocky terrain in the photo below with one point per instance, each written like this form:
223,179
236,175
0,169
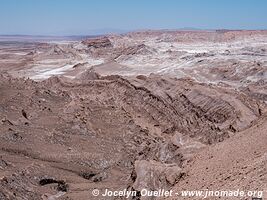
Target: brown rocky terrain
145,110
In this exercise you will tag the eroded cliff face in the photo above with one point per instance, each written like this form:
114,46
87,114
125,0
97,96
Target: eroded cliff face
110,132
180,110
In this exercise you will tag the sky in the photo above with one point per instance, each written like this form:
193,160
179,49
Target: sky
83,17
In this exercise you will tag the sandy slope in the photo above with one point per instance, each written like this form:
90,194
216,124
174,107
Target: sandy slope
239,162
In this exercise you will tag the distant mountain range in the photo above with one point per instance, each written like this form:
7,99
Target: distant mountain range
70,34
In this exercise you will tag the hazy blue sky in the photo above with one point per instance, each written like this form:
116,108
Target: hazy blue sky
65,17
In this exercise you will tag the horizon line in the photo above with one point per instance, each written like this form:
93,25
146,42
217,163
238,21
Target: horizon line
126,32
